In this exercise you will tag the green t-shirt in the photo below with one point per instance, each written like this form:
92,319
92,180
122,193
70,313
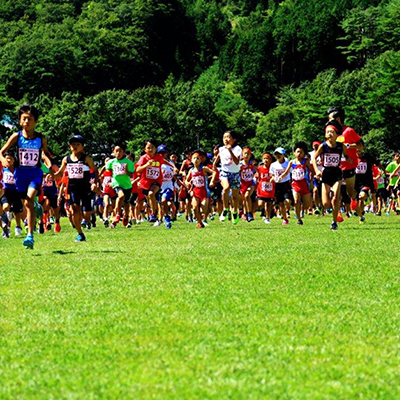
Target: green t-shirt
390,168
120,169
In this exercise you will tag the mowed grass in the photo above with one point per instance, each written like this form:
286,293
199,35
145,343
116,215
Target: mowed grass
245,312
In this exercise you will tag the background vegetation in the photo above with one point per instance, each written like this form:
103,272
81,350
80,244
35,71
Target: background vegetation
184,70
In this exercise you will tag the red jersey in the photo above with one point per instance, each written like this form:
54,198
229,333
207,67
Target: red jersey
198,183
299,178
246,177
106,186
350,136
265,187
153,173
375,173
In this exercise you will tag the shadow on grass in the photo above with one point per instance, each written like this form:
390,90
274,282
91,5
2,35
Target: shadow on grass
62,252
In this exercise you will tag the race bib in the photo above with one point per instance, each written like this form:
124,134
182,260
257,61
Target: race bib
152,173
75,171
298,174
28,157
278,172
8,178
119,169
331,160
48,182
267,186
381,180
168,175
361,168
247,175
106,181
198,181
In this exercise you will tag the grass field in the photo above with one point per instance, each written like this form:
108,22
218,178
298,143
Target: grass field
245,312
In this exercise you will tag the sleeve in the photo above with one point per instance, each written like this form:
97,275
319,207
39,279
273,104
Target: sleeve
237,151
352,136
109,165
131,166
141,161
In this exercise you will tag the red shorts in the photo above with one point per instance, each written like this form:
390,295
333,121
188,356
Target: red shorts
109,191
301,187
244,187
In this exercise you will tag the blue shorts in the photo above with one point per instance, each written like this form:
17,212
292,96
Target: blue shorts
26,178
167,195
233,178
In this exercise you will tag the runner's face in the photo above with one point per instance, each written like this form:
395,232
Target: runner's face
266,161
227,139
330,133
119,153
299,153
196,160
278,156
174,158
10,160
27,121
246,155
76,147
150,149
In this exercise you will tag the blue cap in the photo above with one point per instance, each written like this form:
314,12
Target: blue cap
280,150
162,148
76,139
209,156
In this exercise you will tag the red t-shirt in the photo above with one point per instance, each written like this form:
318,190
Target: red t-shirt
246,176
198,183
350,137
265,187
375,173
153,173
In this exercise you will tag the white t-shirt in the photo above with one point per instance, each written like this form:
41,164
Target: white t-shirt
277,169
227,164
319,160
168,174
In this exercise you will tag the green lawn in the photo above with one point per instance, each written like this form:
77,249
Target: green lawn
245,312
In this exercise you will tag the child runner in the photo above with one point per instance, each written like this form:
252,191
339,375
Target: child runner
229,155
78,166
331,152
266,187
300,169
31,148
283,189
394,178
196,181
149,166
122,169
247,172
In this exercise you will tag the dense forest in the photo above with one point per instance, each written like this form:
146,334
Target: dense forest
183,71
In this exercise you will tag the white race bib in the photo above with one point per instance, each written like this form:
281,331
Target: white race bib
331,160
266,186
298,174
198,181
361,168
75,171
278,172
168,175
28,157
247,175
119,169
152,172
106,181
8,178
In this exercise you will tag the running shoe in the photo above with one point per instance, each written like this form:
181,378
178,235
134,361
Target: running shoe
106,223
267,221
362,219
6,233
235,219
88,226
48,227
18,231
157,223
57,227
167,221
300,222
83,224
41,228
340,218
334,226
29,242
285,222
250,217
113,225
222,217
199,225
152,219
80,238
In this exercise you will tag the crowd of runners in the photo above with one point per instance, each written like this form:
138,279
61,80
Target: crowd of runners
337,177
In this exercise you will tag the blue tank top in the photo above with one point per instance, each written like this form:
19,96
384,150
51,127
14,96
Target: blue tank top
29,151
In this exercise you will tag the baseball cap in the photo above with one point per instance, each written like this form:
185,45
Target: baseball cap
76,139
162,148
280,150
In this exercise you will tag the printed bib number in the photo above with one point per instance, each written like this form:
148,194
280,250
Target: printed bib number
331,160
152,172
298,174
278,172
75,171
8,178
48,182
266,186
361,168
168,175
198,181
28,157
119,169
381,180
247,175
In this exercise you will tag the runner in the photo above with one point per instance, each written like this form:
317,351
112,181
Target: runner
266,187
247,175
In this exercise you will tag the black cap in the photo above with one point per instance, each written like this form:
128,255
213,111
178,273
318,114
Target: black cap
77,139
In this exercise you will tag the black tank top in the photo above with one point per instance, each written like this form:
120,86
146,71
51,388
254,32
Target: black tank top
331,156
78,173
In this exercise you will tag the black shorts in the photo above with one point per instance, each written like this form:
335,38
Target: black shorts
81,198
152,187
283,191
382,193
52,196
266,199
133,198
349,173
216,192
394,191
345,197
127,193
13,198
331,175
367,187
